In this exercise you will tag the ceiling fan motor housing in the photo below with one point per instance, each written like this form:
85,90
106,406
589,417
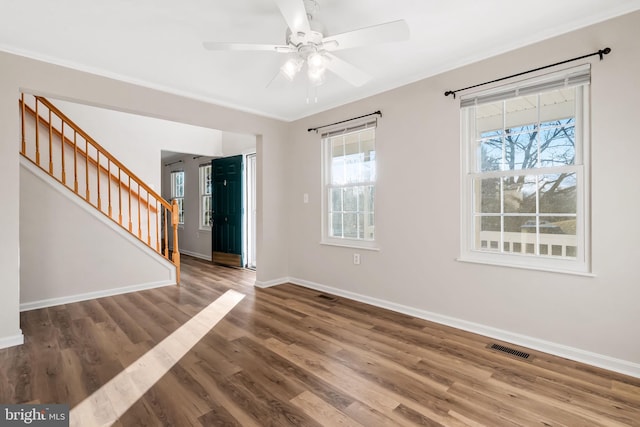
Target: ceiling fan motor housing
303,41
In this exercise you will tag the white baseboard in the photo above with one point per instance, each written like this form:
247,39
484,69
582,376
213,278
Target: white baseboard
274,282
33,305
12,341
576,354
195,254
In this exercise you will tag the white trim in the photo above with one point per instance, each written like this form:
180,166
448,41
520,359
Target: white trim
12,340
525,267
326,166
576,354
351,245
202,195
93,295
582,264
195,254
274,282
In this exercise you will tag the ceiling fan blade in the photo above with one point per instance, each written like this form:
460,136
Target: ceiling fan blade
247,47
295,14
394,31
346,71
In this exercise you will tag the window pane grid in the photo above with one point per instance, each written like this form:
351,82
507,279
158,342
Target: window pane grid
350,185
177,193
206,186
525,179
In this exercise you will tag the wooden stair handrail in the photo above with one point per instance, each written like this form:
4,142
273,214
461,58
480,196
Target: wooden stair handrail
103,151
170,208
81,152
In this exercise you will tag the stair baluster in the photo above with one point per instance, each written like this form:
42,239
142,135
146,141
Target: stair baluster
155,206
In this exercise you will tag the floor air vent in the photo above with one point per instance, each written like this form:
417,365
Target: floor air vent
511,351
327,297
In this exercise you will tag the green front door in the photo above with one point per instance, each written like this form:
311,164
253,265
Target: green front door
227,211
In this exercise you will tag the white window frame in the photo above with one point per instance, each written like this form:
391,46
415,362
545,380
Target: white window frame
326,239
582,263
175,195
203,195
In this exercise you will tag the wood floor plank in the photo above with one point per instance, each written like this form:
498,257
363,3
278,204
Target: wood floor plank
287,355
140,414
581,415
74,387
318,409
300,376
124,320
348,382
368,416
257,401
117,345
210,381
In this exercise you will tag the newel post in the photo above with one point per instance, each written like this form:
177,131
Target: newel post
176,252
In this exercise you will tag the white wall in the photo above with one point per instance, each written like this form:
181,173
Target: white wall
235,143
418,212
69,251
137,141
19,73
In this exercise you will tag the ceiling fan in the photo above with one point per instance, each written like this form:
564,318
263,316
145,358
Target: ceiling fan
307,44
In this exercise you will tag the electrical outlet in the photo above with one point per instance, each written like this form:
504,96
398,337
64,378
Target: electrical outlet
305,198
356,259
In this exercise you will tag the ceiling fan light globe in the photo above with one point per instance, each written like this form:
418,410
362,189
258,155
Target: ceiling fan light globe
316,75
291,68
315,60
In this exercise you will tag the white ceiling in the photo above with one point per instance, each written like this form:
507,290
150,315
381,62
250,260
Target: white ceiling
158,43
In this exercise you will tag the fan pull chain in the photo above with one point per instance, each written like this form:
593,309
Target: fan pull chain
312,91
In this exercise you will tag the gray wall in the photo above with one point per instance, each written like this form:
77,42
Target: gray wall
192,240
70,251
418,212
19,73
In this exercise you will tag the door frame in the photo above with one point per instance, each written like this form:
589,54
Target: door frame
250,223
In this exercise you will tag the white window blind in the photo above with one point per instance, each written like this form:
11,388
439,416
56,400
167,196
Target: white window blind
576,76
354,127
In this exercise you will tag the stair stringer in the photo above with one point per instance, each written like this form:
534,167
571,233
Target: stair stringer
72,252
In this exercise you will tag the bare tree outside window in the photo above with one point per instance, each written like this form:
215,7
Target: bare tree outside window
526,184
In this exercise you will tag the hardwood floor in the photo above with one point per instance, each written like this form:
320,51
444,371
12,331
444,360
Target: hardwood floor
289,356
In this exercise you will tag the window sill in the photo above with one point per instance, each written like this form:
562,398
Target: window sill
207,230
351,246
526,267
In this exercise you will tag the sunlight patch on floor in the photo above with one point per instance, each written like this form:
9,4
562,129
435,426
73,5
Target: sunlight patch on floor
105,406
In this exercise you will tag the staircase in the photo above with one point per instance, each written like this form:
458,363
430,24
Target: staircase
55,144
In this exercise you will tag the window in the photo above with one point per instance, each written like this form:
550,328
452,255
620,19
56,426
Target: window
205,196
525,176
349,164
177,193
